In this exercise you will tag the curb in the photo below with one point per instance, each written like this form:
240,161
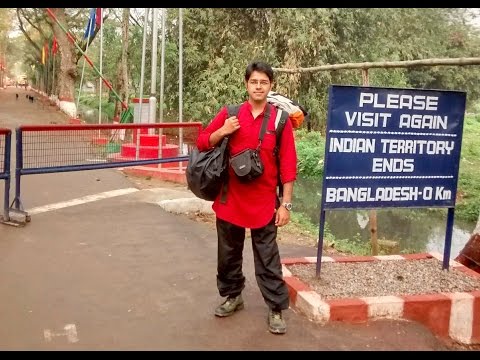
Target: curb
447,315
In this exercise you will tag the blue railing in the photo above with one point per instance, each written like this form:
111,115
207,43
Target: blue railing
64,148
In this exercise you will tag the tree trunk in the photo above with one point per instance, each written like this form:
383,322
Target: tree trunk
470,254
67,71
122,73
477,228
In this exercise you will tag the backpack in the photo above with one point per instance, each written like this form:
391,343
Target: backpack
296,112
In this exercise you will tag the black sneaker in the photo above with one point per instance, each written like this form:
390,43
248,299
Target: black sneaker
229,306
276,324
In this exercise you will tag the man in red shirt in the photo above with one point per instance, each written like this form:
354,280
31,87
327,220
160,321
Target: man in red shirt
254,205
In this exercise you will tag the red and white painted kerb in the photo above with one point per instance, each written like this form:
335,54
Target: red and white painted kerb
455,315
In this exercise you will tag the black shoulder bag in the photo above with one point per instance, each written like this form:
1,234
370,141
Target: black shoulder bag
247,164
207,171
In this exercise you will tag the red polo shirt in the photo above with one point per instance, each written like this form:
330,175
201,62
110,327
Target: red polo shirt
252,205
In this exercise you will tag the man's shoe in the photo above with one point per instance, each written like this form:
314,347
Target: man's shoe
229,306
276,324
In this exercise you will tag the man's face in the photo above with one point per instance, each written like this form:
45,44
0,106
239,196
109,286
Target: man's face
258,86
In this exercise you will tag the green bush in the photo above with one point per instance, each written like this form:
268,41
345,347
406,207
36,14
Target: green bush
310,152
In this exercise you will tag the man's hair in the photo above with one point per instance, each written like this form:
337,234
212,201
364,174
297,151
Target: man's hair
259,66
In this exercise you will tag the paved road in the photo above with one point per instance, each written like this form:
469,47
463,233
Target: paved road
122,273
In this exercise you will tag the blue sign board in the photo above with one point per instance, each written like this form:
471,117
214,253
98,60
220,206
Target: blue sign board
391,147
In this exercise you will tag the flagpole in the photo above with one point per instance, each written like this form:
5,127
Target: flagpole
142,78
180,78
53,74
83,68
48,70
142,69
45,70
101,65
162,63
40,83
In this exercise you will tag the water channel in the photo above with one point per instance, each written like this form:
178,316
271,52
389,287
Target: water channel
415,230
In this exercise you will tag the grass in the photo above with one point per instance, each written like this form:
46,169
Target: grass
468,189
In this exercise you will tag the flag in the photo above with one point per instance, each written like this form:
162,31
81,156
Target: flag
90,29
54,45
43,55
98,18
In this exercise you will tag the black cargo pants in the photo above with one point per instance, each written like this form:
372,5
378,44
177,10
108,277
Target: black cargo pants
268,269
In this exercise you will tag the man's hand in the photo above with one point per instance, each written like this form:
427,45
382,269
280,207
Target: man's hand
231,125
282,217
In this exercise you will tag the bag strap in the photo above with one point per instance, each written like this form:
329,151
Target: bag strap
231,110
234,109
223,191
263,129
280,121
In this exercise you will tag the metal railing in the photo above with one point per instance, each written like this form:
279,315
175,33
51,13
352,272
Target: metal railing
63,148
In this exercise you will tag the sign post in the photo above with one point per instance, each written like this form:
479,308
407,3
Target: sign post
392,147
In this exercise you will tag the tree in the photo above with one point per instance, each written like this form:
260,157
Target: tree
39,28
67,73
5,21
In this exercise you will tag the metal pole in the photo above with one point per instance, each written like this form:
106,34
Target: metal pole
6,163
162,64
153,99
53,74
180,78
448,238
142,69
83,68
321,233
162,81
19,166
47,72
101,66
142,78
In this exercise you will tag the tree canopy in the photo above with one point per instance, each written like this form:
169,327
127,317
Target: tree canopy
219,43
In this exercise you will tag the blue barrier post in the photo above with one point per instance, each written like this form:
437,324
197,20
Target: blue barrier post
18,168
6,175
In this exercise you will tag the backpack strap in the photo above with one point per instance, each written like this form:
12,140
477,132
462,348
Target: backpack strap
280,121
263,129
233,110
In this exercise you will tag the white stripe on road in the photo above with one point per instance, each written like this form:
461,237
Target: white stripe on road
82,200
70,333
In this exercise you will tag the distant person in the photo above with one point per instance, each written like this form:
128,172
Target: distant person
254,204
